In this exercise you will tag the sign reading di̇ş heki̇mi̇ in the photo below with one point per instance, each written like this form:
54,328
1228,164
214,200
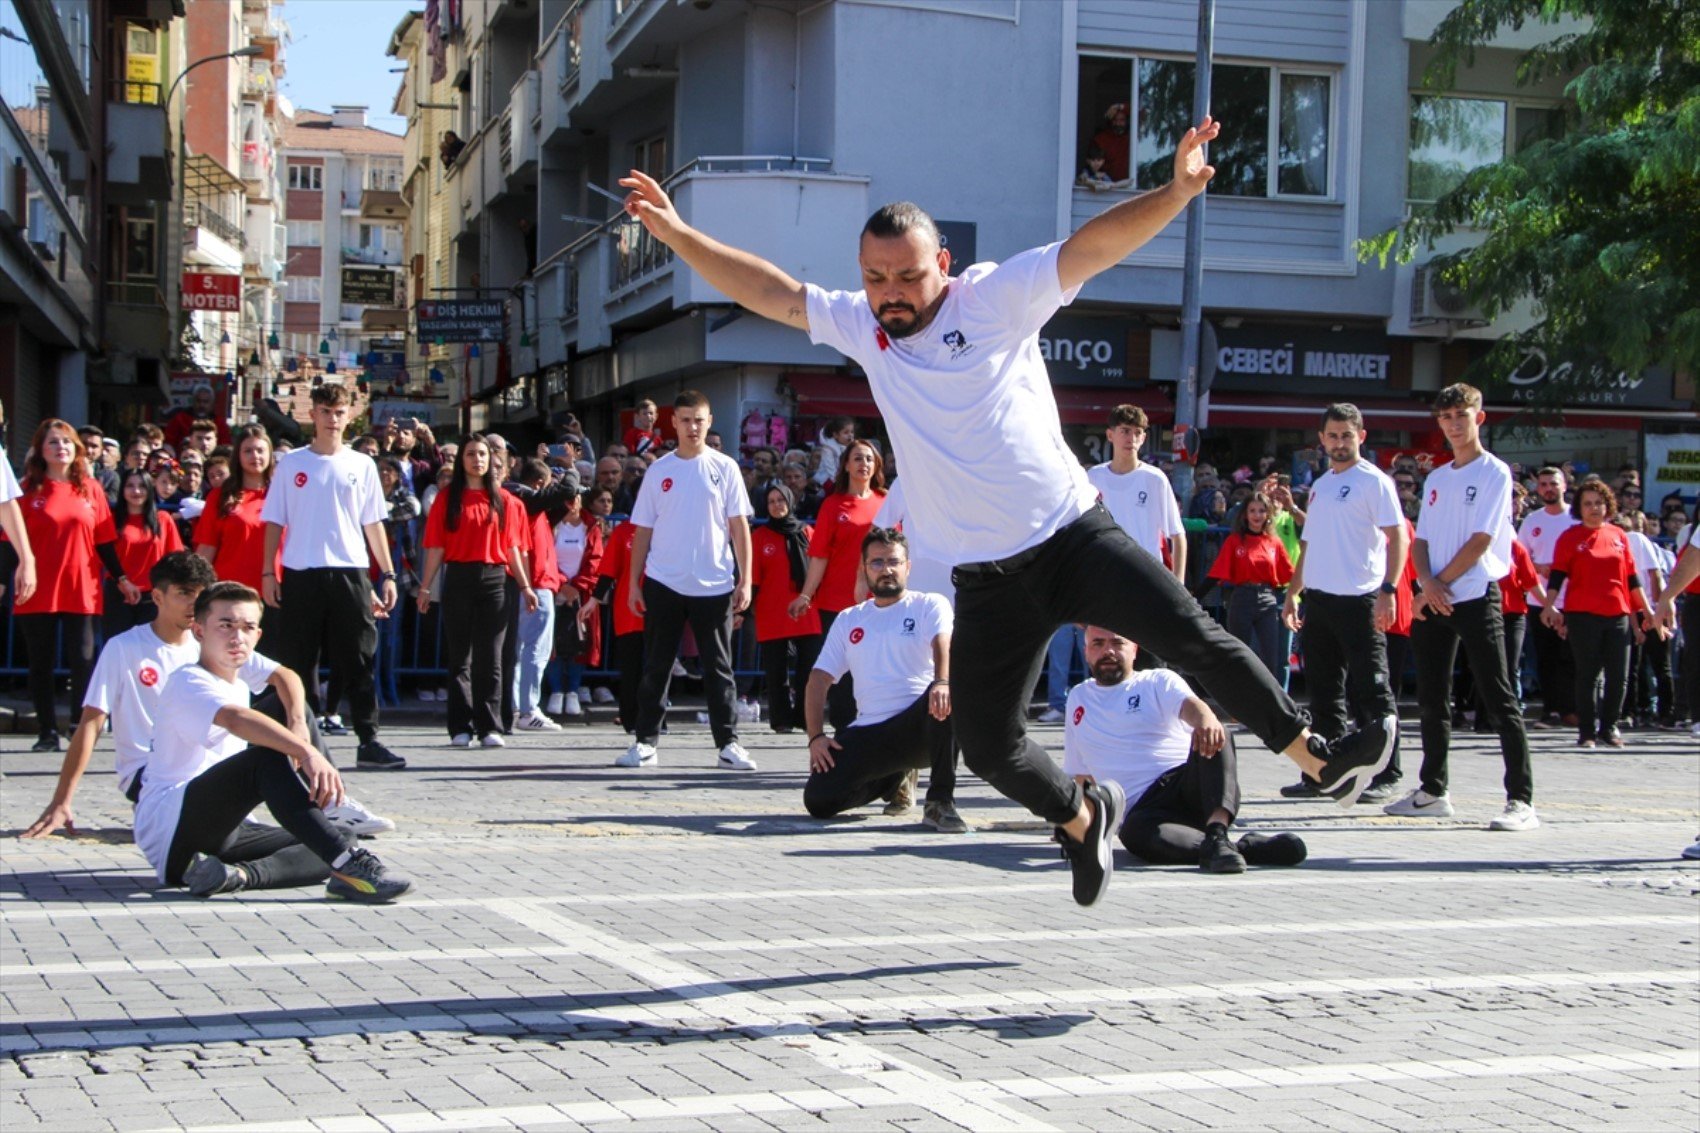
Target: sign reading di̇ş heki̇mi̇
462,320
211,291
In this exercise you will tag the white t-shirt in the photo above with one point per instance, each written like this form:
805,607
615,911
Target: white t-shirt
569,547
9,489
687,504
969,407
1539,535
127,684
1141,502
1648,556
186,742
927,572
323,502
1462,502
1128,733
1345,547
887,650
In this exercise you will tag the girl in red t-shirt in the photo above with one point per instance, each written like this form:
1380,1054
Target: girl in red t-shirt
779,558
613,587
1603,592
71,532
1253,563
145,536
474,535
230,533
835,555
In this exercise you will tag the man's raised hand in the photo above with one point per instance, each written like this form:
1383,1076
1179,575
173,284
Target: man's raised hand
648,202
1192,172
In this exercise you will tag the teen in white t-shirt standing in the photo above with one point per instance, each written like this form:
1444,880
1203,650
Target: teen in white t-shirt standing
955,369
12,523
1137,495
1554,666
1463,548
331,501
1354,551
690,561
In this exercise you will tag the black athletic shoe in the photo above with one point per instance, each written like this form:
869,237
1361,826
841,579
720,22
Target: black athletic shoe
1093,859
48,741
1272,849
363,878
208,875
1303,789
1218,855
1356,758
374,756
1379,791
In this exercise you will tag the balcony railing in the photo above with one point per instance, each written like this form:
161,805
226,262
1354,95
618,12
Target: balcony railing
571,57
636,254
197,215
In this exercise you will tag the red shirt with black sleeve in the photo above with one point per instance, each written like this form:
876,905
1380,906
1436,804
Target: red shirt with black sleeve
840,525
140,549
1597,566
238,539
1252,560
65,524
615,561
1514,588
770,574
477,539
1402,590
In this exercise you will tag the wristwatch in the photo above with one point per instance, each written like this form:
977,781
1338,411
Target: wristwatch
1389,588
387,576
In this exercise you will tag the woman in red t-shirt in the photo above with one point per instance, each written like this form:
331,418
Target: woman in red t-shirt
474,535
835,555
613,587
779,558
1603,591
145,536
71,532
1253,563
230,533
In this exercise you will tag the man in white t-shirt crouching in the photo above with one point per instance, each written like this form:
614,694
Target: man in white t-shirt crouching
896,647
1172,757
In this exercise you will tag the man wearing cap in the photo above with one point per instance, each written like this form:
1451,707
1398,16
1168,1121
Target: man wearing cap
94,443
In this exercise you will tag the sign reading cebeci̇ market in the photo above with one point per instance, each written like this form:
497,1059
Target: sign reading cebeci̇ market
462,320
1308,360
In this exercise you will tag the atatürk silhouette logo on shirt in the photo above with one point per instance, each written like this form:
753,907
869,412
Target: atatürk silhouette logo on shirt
958,344
1142,498
908,627
1133,702
1470,496
1345,490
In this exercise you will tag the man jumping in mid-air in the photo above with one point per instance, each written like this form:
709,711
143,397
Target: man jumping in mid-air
955,369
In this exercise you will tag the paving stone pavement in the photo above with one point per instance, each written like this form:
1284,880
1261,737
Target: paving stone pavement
680,948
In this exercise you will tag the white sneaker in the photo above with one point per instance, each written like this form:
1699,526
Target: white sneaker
555,701
442,696
427,696
679,668
1516,816
1692,853
572,706
1051,716
639,755
534,722
460,739
494,739
602,694
733,757
1420,804
357,818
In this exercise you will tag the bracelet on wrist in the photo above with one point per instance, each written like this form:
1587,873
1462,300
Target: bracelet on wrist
817,736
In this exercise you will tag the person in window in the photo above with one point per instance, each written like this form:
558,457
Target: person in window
449,148
1094,173
1112,141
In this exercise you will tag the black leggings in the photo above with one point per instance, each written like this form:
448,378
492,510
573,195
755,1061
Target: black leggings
39,639
475,625
1599,644
786,663
841,697
873,758
628,662
1165,825
219,798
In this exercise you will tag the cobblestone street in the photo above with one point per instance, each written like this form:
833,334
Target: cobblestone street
681,948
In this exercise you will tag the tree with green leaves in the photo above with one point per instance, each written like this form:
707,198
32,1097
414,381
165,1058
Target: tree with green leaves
1599,226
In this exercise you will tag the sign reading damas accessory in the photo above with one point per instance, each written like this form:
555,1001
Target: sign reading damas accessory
211,291
462,320
375,286
1651,389
1083,351
1304,360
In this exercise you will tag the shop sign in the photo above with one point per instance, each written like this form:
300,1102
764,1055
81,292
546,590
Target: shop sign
959,238
386,410
386,366
1342,363
211,291
367,286
1672,465
1083,351
1651,389
462,320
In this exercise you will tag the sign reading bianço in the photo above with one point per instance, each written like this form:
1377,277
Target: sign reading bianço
1080,350
373,287
211,291
462,320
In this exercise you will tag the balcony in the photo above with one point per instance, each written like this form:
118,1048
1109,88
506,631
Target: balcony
374,256
517,131
138,165
382,204
197,214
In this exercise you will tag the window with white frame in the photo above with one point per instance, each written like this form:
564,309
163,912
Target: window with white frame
310,177
305,233
302,288
1278,129
1453,135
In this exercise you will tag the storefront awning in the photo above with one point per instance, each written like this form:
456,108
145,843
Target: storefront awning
827,394
1240,411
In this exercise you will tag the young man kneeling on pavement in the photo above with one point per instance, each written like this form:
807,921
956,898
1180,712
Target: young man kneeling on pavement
215,759
1172,758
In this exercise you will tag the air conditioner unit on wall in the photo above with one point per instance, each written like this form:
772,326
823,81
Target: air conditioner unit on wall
1433,300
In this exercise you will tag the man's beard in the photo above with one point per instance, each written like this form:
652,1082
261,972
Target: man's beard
886,588
1342,455
1109,671
912,327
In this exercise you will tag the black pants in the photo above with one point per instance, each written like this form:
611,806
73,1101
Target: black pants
510,650
628,662
1165,825
1094,573
710,618
219,798
1398,654
874,758
1515,627
1553,667
1690,660
1254,616
841,697
40,632
328,611
1650,691
1598,645
786,663
120,615
1479,626
1344,655
475,625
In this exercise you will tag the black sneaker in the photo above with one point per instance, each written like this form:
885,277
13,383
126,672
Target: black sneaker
1356,758
363,878
48,741
1303,789
1218,855
333,726
374,756
1379,791
1272,849
1093,859
208,875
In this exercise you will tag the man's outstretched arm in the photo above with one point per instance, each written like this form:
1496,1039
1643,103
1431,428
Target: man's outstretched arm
748,279
1113,235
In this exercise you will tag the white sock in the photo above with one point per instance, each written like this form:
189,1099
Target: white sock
342,858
